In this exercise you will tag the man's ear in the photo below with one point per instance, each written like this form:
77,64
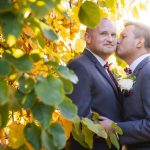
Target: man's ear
87,38
140,42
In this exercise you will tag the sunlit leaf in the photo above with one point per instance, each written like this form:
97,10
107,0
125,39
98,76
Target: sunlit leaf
110,3
96,128
114,140
16,140
11,40
88,136
135,11
89,14
117,128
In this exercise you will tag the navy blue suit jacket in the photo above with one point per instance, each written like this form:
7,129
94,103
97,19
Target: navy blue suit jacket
136,110
95,90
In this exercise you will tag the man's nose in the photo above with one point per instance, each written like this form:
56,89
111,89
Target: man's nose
110,38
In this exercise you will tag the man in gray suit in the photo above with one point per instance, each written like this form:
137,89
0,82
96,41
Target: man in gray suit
134,48
96,91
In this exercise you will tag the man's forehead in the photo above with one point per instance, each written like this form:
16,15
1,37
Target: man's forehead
128,29
106,24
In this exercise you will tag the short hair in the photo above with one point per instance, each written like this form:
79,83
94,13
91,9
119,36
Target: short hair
141,30
90,29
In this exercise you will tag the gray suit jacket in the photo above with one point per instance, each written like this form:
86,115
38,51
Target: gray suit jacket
94,91
136,110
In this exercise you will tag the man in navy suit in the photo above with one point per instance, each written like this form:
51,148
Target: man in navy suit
134,48
96,91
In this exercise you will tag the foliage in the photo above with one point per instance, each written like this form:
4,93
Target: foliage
37,39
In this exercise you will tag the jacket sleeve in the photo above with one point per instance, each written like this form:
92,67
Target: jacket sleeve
139,130
81,95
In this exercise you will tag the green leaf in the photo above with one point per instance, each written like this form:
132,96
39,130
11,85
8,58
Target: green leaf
68,87
88,136
23,63
50,34
35,57
96,128
44,6
77,132
47,141
33,135
4,115
114,140
4,68
11,25
67,108
43,113
41,41
27,101
50,90
116,128
76,123
95,117
89,14
5,6
4,94
79,137
57,131
14,103
66,73
26,85
52,3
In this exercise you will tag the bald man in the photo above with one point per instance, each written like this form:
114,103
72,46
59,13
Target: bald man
96,91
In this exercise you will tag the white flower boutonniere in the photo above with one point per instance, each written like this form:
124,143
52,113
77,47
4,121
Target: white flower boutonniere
126,84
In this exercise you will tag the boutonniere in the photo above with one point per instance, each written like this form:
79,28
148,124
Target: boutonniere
126,83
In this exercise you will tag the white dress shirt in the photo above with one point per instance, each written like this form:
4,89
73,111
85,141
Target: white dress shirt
100,60
135,63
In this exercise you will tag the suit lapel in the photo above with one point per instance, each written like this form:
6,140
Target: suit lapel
100,68
141,65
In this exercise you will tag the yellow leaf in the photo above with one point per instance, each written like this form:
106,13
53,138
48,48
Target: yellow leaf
15,135
79,45
67,126
11,40
135,12
28,145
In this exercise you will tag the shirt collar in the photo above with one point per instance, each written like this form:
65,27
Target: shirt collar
100,60
135,63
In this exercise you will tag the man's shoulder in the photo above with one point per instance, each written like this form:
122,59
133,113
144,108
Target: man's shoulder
82,59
